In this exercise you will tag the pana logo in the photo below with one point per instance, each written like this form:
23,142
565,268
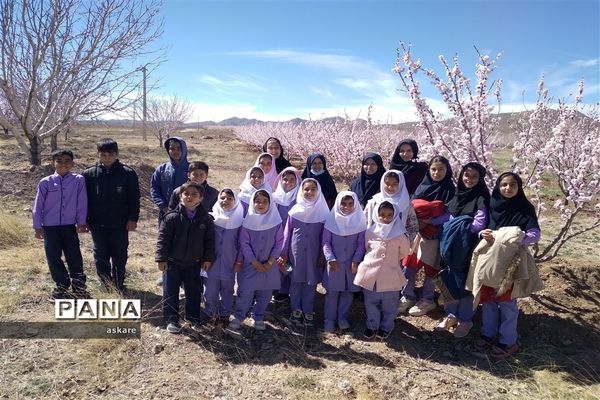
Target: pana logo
98,309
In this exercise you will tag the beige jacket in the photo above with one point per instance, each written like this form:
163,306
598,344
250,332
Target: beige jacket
502,265
382,264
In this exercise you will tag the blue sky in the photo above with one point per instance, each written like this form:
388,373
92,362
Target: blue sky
276,60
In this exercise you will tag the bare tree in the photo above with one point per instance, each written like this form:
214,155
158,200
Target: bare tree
167,114
63,59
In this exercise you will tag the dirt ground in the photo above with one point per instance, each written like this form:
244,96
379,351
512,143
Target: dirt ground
559,326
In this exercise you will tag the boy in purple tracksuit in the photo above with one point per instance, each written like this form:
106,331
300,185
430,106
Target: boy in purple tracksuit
59,213
261,238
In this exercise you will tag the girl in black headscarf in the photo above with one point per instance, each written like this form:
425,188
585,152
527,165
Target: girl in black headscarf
404,160
316,168
509,207
469,212
368,183
437,185
273,147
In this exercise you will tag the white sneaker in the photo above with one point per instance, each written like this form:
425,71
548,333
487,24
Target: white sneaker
462,329
421,308
404,305
446,324
259,325
234,324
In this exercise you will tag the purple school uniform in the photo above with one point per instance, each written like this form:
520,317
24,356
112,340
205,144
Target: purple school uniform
218,285
260,245
303,248
345,250
340,284
255,288
284,210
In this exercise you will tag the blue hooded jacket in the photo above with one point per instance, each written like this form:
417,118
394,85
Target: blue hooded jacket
169,176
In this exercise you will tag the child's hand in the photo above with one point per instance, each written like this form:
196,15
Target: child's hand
82,228
269,264
257,265
333,266
354,268
162,265
488,235
39,233
237,267
321,262
206,265
281,261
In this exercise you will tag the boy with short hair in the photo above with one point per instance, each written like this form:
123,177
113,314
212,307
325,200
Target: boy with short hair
59,214
198,172
169,175
185,245
113,211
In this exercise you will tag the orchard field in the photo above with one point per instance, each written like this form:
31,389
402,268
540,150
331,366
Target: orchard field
560,355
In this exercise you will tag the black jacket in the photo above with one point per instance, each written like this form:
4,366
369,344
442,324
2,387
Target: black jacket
113,195
186,242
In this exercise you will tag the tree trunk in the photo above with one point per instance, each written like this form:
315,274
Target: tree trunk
54,142
35,151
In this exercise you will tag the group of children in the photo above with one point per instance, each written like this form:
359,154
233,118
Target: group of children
105,201
285,232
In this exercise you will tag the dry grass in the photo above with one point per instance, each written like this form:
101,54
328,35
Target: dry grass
281,363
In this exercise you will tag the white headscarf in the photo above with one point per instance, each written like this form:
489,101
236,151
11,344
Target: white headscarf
228,219
246,188
391,230
280,195
346,225
262,222
271,177
310,211
401,198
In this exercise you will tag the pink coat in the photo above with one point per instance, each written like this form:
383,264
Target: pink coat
382,265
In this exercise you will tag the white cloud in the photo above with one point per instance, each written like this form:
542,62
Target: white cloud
230,83
585,63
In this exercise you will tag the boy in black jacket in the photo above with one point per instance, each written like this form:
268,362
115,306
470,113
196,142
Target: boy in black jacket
185,245
113,194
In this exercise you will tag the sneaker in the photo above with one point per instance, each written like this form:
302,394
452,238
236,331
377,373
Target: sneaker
503,351
421,308
59,293
309,319
447,324
196,326
234,324
382,334
280,298
369,333
483,343
329,326
296,317
173,327
404,305
462,329
259,325
81,293
343,324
